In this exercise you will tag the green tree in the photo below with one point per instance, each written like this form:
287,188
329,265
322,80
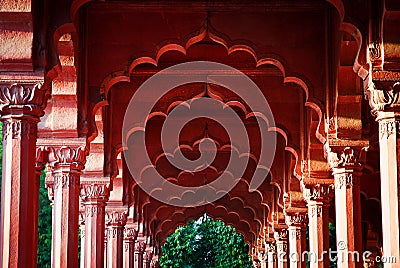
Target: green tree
205,243
44,226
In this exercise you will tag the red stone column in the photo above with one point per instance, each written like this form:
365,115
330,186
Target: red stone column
346,172
296,219
263,258
389,147
271,251
94,195
281,241
148,256
21,106
66,164
115,222
140,247
154,263
130,234
318,194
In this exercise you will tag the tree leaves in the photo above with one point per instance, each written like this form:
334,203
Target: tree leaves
205,243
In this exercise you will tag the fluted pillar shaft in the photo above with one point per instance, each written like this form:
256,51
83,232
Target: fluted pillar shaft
348,218
66,165
94,196
20,107
115,222
389,147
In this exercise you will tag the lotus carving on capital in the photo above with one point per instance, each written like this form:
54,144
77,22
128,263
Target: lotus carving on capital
67,155
23,96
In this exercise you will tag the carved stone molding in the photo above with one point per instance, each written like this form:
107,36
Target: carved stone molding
69,156
342,156
113,233
388,127
296,234
374,51
294,218
280,234
382,95
96,192
316,211
93,210
140,247
318,190
16,128
305,168
130,234
65,180
346,179
116,217
31,98
40,163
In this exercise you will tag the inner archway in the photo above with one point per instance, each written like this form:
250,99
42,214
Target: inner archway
205,242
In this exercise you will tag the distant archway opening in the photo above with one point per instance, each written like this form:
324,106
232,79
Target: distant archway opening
205,242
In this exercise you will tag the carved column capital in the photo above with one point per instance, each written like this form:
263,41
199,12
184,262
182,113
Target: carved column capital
296,216
116,217
130,233
280,234
339,155
40,161
320,190
94,192
20,99
67,156
140,246
383,94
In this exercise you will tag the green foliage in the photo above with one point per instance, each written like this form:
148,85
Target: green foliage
44,245
205,243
